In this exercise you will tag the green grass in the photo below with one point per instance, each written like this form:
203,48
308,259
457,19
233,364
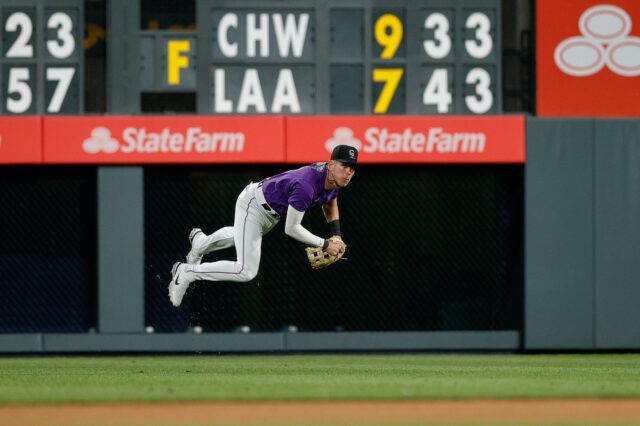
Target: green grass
316,377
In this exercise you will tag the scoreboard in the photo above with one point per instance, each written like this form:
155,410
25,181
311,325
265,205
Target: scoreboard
348,57
292,57
348,71
41,57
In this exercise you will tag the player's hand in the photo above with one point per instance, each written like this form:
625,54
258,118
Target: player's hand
336,248
322,257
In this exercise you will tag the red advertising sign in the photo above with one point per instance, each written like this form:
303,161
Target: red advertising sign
409,139
164,139
20,140
588,58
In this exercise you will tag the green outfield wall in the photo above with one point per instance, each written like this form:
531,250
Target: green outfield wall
582,239
482,257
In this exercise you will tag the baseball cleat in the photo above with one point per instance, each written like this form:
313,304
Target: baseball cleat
179,283
194,257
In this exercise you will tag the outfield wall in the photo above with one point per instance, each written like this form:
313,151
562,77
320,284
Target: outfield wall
85,254
582,244
95,275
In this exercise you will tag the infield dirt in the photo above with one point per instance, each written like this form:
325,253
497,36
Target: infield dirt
473,412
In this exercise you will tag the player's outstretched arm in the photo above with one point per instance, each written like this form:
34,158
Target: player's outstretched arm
293,228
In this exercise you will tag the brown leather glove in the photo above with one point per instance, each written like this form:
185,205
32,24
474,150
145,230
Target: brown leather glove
320,258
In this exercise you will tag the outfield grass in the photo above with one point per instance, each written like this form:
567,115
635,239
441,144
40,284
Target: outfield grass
309,377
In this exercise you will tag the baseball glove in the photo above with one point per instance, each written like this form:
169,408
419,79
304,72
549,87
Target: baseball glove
318,258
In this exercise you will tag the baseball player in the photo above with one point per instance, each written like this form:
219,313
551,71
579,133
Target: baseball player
259,208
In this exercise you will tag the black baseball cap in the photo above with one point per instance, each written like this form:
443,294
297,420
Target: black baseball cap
345,154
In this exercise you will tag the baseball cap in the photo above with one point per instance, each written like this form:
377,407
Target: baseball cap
345,154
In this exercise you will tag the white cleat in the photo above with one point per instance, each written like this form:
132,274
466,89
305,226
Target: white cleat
179,283
195,236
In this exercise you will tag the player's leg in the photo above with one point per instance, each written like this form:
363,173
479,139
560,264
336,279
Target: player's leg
250,224
202,243
247,232
221,239
183,274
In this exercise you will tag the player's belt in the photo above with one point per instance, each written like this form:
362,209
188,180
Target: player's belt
263,202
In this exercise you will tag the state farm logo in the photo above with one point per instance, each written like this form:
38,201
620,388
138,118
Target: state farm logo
342,136
140,141
605,40
435,140
100,140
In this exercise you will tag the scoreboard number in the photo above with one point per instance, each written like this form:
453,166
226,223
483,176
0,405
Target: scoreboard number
63,78
391,78
477,82
482,100
440,46
63,45
481,46
58,92
437,91
21,23
18,85
388,32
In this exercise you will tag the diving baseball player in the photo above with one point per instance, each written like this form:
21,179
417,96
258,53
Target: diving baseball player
259,208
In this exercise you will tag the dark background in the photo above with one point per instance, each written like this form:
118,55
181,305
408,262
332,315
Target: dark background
430,248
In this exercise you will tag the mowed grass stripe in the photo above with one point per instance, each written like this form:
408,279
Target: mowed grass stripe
316,377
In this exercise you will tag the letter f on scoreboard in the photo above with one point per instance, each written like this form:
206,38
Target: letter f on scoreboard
177,59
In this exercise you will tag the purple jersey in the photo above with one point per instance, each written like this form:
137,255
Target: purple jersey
302,188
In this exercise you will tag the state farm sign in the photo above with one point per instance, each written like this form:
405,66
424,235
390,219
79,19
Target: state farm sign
20,140
158,139
434,140
588,58
410,139
263,139
141,140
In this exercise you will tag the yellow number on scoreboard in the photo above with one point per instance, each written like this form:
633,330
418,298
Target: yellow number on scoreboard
391,78
388,32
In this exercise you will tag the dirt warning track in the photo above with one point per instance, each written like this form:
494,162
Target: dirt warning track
591,411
